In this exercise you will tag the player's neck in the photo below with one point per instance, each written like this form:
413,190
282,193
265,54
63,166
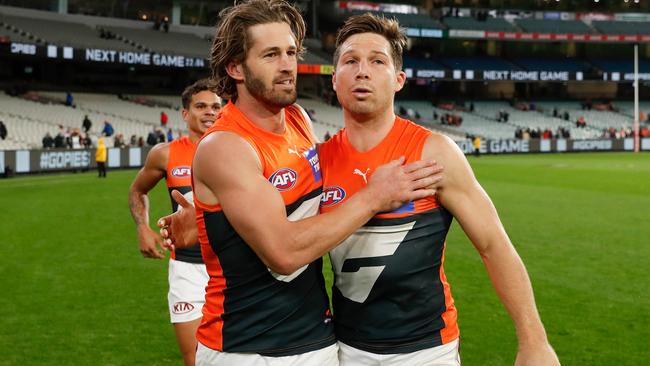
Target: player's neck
194,137
365,132
264,116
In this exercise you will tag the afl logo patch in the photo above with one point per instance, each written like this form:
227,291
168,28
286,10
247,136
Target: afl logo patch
331,196
283,179
182,172
182,307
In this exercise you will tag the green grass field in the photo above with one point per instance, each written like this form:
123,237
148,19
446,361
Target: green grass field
75,290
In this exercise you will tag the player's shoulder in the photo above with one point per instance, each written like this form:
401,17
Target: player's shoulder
159,154
224,145
440,145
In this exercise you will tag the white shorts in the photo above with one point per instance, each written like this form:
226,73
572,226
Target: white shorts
187,282
327,356
445,355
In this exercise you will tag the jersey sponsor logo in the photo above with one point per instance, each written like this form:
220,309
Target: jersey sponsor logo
182,172
331,196
294,151
312,157
283,179
362,174
182,307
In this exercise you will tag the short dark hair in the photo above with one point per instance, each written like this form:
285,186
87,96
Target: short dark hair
197,87
232,41
369,23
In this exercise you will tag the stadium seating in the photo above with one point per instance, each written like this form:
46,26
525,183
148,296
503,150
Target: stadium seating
620,27
13,34
413,20
554,26
63,33
422,63
28,121
472,124
541,118
164,42
469,23
624,66
566,64
477,63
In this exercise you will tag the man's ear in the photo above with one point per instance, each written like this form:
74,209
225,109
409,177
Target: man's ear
401,79
235,70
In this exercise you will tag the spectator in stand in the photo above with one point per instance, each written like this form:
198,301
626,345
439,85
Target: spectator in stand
48,141
118,141
86,142
163,119
160,135
152,138
165,24
327,136
566,116
3,130
170,135
133,141
67,139
644,132
141,141
410,113
108,129
86,124
69,100
59,140
75,139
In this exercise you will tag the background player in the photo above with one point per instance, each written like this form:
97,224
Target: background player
392,303
172,161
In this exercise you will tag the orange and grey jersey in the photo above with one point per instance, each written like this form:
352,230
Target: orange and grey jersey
249,308
179,177
390,293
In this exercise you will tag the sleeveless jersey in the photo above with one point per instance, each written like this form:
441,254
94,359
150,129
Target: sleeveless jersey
178,177
390,293
250,309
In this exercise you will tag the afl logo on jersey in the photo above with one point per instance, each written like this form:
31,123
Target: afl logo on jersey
331,196
182,172
283,179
